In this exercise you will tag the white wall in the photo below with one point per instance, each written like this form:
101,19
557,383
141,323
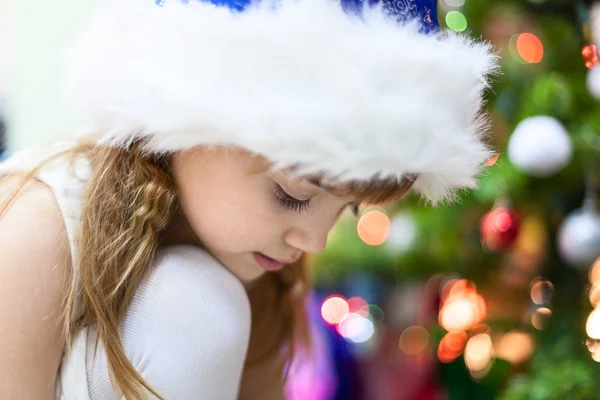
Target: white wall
37,31
7,57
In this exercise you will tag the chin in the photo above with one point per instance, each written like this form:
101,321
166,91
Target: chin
247,272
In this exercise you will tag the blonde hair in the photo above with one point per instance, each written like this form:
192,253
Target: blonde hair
129,200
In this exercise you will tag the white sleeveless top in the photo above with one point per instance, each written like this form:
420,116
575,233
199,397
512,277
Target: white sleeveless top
67,184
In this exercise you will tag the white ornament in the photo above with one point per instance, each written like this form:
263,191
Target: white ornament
540,146
593,82
579,238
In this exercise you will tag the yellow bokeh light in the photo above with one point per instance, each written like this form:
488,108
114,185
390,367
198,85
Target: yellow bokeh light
479,352
594,273
592,326
414,340
374,227
515,347
532,237
595,294
335,309
458,314
462,306
596,356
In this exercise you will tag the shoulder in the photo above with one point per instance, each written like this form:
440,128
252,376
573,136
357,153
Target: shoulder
199,300
35,260
32,221
192,269
188,326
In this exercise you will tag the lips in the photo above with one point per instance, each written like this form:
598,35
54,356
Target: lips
271,264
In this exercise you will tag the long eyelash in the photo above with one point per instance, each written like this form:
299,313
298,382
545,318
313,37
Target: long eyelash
287,201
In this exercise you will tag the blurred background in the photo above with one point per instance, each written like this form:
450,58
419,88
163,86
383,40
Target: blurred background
490,298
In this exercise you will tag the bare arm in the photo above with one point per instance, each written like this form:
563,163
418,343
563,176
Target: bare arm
263,381
33,258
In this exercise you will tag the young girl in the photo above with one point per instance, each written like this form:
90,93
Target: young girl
161,254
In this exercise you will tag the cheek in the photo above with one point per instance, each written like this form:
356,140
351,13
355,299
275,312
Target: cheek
230,218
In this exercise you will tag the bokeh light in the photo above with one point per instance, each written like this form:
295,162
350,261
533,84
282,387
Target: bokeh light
595,294
592,344
515,347
540,318
414,340
403,231
532,239
500,228
460,288
596,356
502,221
373,227
446,287
452,346
458,314
359,306
356,328
334,309
479,352
530,48
455,3
592,326
481,308
456,21
462,306
376,313
512,49
541,291
594,273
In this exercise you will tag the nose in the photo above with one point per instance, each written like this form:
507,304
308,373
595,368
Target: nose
308,239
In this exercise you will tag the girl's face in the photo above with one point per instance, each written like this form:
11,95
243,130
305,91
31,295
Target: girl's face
252,222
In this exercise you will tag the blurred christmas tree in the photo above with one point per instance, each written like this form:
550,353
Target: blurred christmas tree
513,262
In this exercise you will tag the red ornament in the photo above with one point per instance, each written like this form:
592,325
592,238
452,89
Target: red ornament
590,56
499,228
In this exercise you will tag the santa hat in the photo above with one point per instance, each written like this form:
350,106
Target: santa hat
344,89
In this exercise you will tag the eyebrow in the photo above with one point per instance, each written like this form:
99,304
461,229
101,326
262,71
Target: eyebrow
317,181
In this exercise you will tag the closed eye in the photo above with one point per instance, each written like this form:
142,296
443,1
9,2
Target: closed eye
290,203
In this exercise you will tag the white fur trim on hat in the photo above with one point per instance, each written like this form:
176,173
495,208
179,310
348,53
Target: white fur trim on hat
301,83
